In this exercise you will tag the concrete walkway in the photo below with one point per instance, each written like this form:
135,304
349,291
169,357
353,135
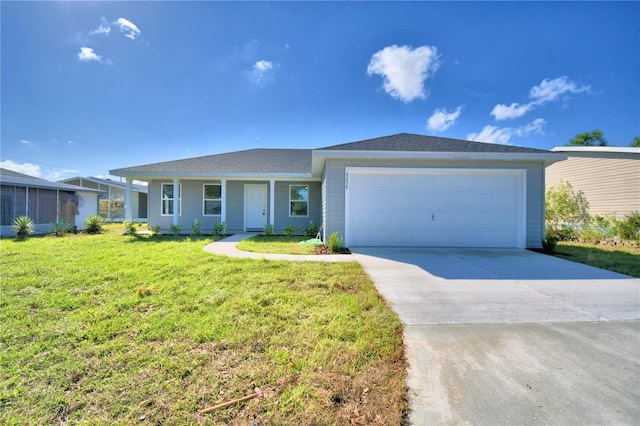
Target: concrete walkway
227,247
505,337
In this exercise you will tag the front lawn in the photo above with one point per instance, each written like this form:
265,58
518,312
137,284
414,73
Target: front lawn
112,329
622,259
276,244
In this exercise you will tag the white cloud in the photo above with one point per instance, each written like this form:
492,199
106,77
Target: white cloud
87,54
536,126
54,174
25,168
547,91
262,71
103,28
441,119
404,70
128,28
515,110
493,134
24,141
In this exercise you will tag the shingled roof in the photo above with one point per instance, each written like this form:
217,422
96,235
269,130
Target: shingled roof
407,142
252,161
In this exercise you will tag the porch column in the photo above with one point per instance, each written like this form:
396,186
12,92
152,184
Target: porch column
223,202
128,204
176,201
272,202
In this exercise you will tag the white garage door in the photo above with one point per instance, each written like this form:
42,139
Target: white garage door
435,207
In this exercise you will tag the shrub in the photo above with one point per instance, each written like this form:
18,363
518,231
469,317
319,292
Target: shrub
566,210
94,224
155,229
60,228
599,228
175,229
219,229
629,227
268,231
196,228
23,226
310,231
335,243
290,230
549,243
130,228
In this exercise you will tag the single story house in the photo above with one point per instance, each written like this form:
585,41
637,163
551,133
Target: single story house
398,190
111,201
609,177
43,201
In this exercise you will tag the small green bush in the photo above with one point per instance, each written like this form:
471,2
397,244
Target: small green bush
629,227
311,231
219,229
599,228
23,226
549,243
196,228
94,224
268,231
130,228
335,243
175,229
566,210
155,229
60,228
290,230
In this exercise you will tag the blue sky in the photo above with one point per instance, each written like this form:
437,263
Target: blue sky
93,86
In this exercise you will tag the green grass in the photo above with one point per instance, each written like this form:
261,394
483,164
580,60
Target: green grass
276,244
622,259
108,329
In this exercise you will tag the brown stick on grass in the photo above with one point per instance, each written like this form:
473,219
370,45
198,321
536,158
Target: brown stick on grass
258,392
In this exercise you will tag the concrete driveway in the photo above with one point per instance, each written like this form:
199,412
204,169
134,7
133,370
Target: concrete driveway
512,337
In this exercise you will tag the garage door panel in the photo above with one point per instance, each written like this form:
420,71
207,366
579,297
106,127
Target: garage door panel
435,207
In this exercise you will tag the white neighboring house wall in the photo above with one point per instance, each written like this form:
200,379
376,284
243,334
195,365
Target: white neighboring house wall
87,206
608,176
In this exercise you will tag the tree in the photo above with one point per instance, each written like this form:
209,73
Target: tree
588,139
566,210
636,142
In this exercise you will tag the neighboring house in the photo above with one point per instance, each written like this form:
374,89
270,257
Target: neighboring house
111,201
608,176
43,201
399,190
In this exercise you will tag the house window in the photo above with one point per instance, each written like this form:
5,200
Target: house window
298,200
212,196
167,199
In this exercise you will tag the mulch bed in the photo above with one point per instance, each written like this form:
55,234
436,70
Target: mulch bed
326,250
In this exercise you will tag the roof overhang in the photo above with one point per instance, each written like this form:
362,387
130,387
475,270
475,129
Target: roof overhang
593,149
44,184
319,157
148,176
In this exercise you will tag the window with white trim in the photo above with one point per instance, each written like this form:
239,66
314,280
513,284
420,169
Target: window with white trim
212,200
298,200
167,199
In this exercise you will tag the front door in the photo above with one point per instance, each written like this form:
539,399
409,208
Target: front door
255,206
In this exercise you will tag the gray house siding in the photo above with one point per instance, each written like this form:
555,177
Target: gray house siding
192,205
282,218
334,174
